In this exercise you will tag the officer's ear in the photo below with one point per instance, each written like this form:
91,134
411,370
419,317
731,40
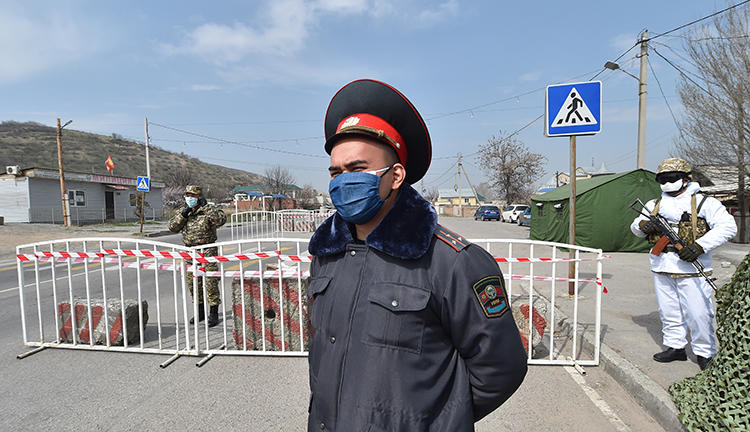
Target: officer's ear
399,175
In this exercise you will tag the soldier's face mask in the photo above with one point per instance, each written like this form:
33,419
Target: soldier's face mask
191,201
672,187
356,195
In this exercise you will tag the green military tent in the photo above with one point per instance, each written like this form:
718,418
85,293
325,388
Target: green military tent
602,215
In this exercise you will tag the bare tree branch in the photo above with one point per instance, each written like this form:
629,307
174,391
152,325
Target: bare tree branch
716,122
511,167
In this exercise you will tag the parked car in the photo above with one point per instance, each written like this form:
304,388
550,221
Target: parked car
525,219
487,212
512,212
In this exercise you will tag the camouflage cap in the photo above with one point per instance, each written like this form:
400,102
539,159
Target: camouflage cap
673,165
194,189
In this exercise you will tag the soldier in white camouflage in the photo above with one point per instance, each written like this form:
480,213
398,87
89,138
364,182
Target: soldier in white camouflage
198,222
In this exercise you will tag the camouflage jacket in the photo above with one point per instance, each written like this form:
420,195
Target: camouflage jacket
200,225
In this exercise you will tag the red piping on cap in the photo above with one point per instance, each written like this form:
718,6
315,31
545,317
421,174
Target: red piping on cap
376,126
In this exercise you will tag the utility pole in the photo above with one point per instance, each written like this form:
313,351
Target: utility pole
148,173
63,193
473,189
642,102
460,206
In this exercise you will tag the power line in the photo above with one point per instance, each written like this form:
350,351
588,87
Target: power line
477,108
618,58
684,75
443,174
679,129
221,140
711,38
698,20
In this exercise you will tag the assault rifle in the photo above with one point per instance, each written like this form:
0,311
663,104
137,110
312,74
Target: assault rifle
669,237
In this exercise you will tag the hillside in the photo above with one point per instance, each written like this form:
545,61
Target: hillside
34,145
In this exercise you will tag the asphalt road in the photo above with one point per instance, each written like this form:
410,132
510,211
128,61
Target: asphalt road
59,389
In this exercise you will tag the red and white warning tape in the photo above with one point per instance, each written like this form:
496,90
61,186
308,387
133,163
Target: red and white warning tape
151,265
547,260
164,254
99,256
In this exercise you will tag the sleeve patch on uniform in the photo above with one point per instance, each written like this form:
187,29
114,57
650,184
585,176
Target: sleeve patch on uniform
491,295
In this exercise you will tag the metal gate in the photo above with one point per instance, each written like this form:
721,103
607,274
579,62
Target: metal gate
117,294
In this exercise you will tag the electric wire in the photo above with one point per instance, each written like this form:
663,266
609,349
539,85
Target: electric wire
221,140
686,76
698,20
674,118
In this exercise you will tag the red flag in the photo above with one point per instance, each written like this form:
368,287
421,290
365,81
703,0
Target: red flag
110,165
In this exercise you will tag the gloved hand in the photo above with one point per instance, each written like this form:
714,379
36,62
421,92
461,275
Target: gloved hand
648,227
690,253
186,212
201,202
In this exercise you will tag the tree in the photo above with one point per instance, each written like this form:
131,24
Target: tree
511,167
276,181
716,124
306,197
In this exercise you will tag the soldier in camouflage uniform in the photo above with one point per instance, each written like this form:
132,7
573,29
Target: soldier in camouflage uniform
198,222
683,296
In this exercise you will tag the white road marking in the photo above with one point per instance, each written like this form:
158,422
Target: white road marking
597,400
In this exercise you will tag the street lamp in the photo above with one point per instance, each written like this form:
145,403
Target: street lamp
614,66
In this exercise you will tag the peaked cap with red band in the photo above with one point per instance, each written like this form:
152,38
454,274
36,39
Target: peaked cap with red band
375,109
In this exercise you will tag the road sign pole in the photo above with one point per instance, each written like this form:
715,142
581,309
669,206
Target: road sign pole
572,212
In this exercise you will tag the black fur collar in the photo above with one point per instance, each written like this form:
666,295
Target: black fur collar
405,232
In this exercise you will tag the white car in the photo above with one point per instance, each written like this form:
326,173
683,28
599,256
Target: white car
512,212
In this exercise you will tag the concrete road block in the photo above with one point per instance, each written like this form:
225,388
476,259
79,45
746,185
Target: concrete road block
270,315
538,322
114,326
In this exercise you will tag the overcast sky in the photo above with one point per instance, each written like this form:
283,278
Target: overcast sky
259,75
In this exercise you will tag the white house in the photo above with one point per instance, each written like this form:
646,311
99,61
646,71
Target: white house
33,195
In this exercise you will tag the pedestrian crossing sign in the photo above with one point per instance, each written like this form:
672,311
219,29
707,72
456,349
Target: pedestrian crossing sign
573,109
143,184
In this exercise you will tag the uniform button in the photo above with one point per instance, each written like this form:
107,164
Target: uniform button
333,339
394,303
354,253
322,426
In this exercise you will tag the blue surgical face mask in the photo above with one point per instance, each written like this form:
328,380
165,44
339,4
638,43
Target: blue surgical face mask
356,195
191,201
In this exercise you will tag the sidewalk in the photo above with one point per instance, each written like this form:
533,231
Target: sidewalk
631,329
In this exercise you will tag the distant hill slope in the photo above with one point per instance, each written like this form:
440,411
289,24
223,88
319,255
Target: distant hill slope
35,145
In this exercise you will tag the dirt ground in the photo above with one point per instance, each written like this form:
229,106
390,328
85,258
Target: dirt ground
15,234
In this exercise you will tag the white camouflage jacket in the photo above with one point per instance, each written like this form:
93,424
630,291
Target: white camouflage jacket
721,223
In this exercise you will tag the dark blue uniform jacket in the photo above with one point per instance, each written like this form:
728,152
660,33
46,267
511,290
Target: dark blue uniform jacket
402,339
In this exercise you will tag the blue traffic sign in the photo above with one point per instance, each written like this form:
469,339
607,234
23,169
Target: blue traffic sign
143,184
573,109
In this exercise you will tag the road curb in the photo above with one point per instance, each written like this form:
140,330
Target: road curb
650,395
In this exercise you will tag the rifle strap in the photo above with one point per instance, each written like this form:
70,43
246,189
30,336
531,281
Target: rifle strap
693,216
655,211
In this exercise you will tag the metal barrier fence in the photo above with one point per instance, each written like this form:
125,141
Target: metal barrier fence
106,293
534,266
264,224
252,224
79,216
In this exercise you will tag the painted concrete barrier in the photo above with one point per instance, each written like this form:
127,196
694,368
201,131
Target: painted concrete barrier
76,326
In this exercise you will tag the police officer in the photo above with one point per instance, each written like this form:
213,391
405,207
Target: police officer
198,222
683,296
412,328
